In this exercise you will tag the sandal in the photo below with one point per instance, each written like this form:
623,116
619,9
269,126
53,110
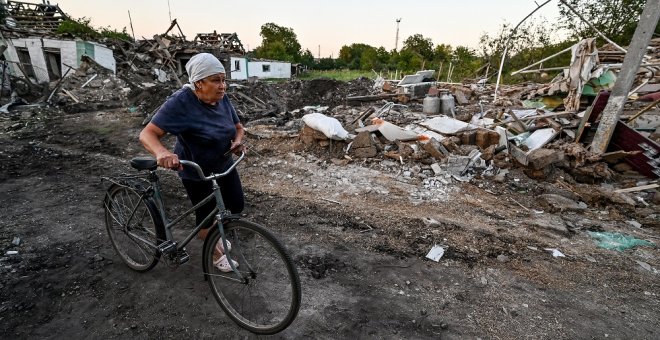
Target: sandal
223,265
220,249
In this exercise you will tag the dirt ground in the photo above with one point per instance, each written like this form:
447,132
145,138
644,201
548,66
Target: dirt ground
359,233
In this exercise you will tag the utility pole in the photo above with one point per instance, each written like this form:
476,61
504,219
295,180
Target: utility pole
131,21
636,51
319,51
396,40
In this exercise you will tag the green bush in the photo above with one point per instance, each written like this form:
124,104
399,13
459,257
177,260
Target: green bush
78,28
343,75
83,29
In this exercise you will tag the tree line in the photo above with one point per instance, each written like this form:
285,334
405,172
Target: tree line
531,42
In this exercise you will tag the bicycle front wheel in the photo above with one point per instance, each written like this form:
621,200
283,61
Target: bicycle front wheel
266,297
131,225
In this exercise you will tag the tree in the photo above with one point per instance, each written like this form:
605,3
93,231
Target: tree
354,54
307,59
408,60
422,46
617,19
465,62
279,43
383,56
328,64
442,53
532,41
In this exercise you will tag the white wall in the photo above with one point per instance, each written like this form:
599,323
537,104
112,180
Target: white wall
104,57
278,69
242,72
69,55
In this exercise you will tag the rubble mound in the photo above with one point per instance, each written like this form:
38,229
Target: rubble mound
91,83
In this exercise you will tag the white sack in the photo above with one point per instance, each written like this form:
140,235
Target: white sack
329,126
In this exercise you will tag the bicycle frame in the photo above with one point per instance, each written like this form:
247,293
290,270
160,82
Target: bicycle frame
219,212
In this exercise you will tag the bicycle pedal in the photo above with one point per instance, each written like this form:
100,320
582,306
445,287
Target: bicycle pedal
167,247
182,256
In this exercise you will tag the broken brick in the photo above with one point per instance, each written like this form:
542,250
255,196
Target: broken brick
434,148
542,158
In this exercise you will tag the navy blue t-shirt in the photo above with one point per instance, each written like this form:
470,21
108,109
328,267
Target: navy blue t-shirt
203,132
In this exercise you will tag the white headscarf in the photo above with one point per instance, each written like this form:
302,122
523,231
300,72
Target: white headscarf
201,66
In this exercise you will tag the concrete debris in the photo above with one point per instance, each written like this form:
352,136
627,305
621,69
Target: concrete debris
555,252
542,129
557,203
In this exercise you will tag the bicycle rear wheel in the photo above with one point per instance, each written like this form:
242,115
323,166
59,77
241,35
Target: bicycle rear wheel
131,225
269,298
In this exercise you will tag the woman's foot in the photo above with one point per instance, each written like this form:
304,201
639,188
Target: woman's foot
220,249
223,264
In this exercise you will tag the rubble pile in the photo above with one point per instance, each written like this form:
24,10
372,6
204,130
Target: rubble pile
90,83
434,132
443,132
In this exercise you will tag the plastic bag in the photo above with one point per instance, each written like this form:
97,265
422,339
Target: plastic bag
329,126
618,241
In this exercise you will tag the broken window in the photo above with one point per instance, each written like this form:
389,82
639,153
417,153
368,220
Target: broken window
237,65
182,64
53,59
265,68
25,62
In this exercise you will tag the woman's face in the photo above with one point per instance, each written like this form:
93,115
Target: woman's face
212,88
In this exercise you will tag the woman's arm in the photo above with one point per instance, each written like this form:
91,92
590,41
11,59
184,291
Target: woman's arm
150,139
238,139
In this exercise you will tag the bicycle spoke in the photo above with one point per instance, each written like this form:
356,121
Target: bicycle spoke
270,299
131,228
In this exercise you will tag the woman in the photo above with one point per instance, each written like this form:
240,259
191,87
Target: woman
206,128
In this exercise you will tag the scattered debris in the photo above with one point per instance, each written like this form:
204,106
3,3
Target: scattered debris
555,252
618,241
436,253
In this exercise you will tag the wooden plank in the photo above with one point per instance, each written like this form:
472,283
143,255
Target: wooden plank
372,97
71,95
592,114
631,63
243,95
639,188
520,123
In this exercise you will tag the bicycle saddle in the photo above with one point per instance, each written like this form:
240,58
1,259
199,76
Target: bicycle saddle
144,163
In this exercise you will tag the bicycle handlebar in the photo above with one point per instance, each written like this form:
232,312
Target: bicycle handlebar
212,176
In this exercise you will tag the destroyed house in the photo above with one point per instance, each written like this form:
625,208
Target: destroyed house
31,49
228,42
38,18
243,68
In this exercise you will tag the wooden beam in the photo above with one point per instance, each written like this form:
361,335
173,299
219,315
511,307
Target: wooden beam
639,188
631,62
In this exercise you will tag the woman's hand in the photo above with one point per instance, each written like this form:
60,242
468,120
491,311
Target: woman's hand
237,147
168,160
150,138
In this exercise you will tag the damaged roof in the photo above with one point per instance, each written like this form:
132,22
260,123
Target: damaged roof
25,16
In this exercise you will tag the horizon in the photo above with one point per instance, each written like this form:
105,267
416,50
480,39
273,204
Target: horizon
320,34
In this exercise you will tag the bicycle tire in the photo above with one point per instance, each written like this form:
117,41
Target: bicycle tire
274,282
130,242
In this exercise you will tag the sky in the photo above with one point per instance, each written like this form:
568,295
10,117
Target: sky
323,26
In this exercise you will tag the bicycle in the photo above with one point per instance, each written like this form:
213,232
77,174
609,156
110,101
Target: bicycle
141,234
